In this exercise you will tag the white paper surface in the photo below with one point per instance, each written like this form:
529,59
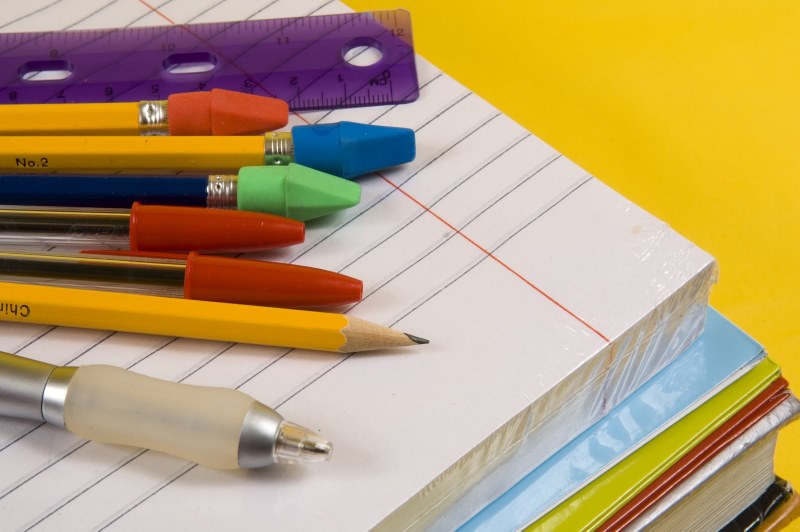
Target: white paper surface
535,283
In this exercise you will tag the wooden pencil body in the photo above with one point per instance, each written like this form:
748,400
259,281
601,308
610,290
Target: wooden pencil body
70,119
139,154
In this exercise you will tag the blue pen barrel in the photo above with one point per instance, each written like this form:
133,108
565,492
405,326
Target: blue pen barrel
102,191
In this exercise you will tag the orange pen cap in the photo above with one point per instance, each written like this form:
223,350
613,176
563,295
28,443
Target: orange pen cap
254,282
163,228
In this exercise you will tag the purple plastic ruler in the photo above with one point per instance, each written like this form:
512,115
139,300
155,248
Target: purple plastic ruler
315,62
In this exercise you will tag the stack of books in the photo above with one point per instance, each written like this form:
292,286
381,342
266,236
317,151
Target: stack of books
691,449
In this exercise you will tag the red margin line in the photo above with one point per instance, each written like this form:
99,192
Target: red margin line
416,201
494,258
157,12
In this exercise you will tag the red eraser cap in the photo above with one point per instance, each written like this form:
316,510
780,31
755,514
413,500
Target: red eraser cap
223,112
161,228
253,282
188,113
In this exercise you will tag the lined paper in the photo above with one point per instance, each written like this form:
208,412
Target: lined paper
534,281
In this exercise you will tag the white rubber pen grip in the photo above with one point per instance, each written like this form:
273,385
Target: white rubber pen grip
112,405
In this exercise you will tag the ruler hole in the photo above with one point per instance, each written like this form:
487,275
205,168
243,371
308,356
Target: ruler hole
51,70
192,63
362,52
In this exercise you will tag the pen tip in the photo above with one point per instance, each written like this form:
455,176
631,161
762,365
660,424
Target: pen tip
297,444
417,339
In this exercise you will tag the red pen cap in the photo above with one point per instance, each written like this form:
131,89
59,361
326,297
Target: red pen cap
162,228
254,282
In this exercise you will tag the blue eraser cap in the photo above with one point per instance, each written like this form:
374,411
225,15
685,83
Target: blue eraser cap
348,149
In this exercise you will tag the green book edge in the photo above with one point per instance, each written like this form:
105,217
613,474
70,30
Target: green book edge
601,498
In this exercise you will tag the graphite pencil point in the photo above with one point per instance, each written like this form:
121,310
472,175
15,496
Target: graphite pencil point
417,339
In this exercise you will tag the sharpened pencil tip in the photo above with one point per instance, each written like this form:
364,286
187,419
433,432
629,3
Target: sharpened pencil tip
417,339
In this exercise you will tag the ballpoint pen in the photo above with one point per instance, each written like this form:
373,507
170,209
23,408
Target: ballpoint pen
215,112
294,191
215,427
148,228
192,276
344,149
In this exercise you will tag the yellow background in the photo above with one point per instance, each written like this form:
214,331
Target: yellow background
690,108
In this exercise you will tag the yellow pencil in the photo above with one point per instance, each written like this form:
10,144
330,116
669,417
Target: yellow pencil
215,112
345,149
188,318
138,154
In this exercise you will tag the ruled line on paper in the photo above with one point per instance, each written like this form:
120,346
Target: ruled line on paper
30,14
359,211
506,149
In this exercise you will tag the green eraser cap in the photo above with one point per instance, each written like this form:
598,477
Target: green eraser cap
294,191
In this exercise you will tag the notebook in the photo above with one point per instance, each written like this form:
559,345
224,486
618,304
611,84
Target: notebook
722,354
548,298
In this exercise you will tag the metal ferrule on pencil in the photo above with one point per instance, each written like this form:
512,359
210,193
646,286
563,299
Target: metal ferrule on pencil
222,192
153,118
278,148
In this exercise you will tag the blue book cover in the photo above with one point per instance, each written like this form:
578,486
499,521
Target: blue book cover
722,354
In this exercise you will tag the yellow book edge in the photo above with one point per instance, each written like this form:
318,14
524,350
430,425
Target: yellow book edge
600,499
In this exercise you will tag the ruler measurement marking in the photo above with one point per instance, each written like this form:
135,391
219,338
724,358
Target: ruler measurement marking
200,40
66,35
323,89
340,61
132,52
370,99
171,29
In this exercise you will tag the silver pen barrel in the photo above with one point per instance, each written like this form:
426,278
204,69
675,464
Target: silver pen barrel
33,390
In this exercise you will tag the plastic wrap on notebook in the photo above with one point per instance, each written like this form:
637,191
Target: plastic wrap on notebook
779,417
721,354
535,434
